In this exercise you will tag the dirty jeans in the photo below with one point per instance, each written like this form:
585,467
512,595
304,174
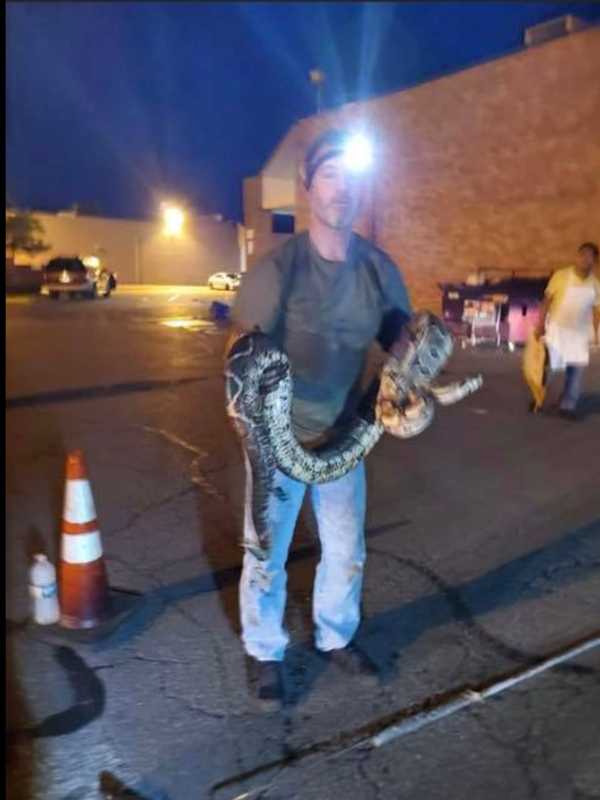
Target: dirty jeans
339,508
572,386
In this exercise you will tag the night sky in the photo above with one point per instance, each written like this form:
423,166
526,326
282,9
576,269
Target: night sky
115,106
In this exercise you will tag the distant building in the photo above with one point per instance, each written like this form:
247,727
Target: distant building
495,165
141,251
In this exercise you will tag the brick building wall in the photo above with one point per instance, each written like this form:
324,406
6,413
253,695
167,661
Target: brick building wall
494,166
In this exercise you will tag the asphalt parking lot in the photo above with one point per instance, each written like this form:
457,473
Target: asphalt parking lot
483,556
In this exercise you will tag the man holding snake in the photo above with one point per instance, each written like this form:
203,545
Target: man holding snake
323,297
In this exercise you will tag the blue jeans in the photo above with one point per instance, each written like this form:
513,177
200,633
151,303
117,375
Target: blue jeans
339,508
572,387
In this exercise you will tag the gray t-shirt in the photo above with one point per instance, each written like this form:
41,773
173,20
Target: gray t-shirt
325,315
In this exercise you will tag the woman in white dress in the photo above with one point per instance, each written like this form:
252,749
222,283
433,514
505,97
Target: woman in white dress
570,308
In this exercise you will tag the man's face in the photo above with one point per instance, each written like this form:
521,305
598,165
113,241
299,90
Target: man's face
335,194
586,260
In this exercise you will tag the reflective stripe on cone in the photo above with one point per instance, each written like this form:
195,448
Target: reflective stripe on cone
81,548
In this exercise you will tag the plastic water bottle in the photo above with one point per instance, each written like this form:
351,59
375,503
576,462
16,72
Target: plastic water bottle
43,591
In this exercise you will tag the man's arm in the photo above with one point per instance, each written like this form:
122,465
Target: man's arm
397,308
596,313
257,304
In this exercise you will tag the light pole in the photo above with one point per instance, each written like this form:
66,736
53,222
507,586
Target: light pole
317,78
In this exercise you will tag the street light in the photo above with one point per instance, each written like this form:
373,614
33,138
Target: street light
317,78
173,219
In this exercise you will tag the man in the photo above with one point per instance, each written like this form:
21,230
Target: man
570,307
324,297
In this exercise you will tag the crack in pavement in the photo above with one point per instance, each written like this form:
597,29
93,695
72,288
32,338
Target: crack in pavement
522,749
135,516
143,572
361,768
221,715
139,657
196,475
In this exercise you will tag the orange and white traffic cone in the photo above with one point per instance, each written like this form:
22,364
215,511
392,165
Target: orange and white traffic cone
82,578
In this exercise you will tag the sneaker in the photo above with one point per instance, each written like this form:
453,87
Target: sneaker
353,662
265,683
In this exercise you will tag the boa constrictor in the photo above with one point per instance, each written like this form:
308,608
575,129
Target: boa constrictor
259,397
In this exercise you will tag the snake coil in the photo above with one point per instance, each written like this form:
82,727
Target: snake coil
259,398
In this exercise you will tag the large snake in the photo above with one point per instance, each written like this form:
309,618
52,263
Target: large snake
401,402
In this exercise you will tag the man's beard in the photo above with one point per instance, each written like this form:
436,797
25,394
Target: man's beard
337,218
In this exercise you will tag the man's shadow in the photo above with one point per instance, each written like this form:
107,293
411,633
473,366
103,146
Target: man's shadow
565,561
20,755
589,404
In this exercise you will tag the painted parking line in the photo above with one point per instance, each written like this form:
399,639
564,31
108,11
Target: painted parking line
191,324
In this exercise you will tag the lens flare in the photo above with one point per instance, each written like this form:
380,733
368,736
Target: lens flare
358,153
173,219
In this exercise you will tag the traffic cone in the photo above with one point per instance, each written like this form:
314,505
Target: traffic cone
82,578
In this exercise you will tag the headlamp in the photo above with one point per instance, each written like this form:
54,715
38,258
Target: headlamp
355,149
358,153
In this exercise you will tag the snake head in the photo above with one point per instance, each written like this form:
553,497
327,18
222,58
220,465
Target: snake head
428,348
248,344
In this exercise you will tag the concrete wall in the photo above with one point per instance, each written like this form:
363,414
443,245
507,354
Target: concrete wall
259,236
497,165
278,193
206,247
22,279
139,251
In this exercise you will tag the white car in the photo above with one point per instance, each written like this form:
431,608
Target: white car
225,280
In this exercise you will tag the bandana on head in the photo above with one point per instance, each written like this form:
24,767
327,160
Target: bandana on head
333,140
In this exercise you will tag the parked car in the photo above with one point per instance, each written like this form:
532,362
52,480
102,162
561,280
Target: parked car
77,277
225,280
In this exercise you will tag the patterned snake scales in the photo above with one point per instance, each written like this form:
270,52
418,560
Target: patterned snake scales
401,402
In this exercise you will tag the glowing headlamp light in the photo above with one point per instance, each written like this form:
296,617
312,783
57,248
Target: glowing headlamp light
358,153
355,150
